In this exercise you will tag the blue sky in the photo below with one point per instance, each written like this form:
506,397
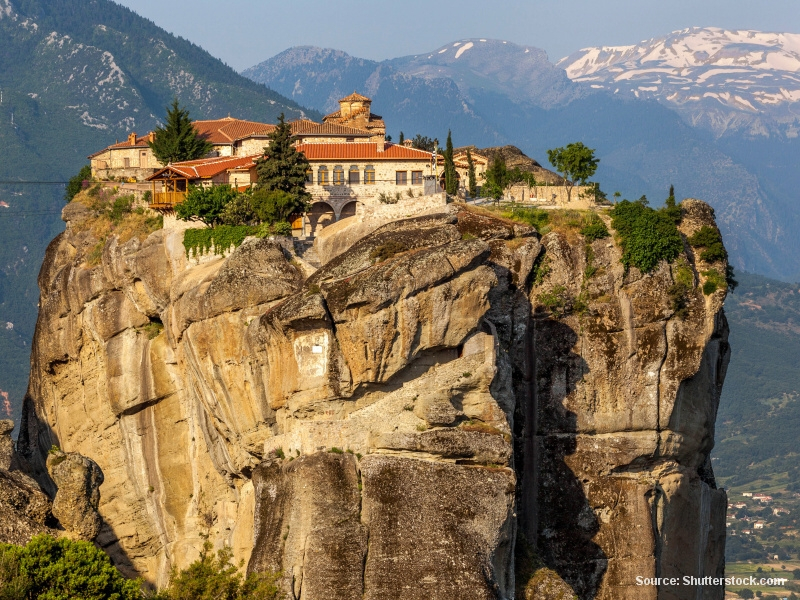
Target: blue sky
245,32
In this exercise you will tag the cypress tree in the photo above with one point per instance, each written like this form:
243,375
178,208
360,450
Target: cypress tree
472,181
178,140
450,178
402,138
283,168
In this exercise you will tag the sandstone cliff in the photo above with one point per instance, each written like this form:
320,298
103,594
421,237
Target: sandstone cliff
400,423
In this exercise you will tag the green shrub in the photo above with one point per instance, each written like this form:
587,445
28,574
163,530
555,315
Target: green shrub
221,238
239,211
594,229
77,183
710,240
681,288
336,450
121,207
283,228
215,577
557,301
276,205
714,281
647,236
61,569
205,204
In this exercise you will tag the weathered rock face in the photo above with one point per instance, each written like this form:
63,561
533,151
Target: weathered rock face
78,480
396,424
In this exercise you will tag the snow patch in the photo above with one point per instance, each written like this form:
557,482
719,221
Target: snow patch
456,44
527,50
442,50
482,40
464,48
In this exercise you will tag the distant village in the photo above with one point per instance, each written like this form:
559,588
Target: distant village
352,164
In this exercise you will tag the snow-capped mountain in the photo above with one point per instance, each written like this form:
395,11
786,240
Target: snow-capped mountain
741,80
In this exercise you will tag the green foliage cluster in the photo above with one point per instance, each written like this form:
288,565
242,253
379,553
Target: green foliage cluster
710,240
221,238
714,281
61,569
556,301
647,236
283,168
77,183
472,182
215,577
594,228
450,175
280,228
178,140
681,288
387,251
423,142
575,162
205,204
274,206
239,211
499,177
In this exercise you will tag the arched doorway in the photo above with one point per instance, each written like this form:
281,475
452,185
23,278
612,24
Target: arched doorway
321,215
349,210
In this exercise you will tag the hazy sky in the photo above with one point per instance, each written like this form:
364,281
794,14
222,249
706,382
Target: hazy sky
245,32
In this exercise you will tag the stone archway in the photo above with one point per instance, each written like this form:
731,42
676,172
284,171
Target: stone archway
350,209
321,215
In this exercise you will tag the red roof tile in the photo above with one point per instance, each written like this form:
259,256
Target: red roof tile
141,142
204,168
323,129
347,151
228,130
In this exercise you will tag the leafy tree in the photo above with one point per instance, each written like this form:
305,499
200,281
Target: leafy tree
178,140
710,240
61,569
450,176
423,142
283,168
239,211
276,206
496,178
575,162
205,204
215,577
77,183
746,593
472,183
647,236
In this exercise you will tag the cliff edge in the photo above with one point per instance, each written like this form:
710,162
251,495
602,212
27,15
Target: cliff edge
454,407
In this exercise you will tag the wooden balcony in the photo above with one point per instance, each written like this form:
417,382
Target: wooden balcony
166,200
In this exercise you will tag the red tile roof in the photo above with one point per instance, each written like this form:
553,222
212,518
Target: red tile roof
347,151
205,168
141,142
333,129
228,130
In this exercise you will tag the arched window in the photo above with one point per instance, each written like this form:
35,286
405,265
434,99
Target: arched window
322,175
338,175
310,175
354,175
369,174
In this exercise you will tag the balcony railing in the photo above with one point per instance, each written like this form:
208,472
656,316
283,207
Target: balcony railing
167,199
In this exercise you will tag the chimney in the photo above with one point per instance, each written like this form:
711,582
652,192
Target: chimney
408,143
381,146
132,138
151,136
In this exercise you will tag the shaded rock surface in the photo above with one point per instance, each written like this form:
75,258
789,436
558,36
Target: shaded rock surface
389,425
78,480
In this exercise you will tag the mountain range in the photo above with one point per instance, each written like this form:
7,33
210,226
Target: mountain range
493,92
